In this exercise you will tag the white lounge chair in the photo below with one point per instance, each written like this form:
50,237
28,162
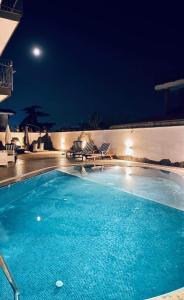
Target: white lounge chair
41,147
38,149
35,147
3,158
10,149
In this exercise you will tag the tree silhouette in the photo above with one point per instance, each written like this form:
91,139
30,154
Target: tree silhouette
95,121
31,120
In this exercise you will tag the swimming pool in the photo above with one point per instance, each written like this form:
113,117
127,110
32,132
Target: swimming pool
102,242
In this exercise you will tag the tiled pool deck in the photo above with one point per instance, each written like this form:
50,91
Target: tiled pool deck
28,163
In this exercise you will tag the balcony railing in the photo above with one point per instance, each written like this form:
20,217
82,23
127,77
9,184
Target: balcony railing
14,6
6,75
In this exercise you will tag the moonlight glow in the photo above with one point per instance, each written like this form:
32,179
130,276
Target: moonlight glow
36,51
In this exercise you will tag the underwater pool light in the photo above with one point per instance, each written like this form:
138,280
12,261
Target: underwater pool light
59,283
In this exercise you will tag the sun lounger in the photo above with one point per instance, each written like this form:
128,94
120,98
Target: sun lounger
88,150
76,148
103,151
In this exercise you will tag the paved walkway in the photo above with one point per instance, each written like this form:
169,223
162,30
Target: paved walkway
28,163
35,162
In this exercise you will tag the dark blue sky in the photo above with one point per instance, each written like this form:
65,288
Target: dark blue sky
98,56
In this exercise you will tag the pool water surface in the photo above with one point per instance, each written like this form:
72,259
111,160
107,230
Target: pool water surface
99,240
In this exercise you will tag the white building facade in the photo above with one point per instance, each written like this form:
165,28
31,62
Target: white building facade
10,16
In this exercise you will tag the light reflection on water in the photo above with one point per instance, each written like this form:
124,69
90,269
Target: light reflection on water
154,184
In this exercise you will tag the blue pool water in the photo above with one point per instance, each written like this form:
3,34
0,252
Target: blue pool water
102,242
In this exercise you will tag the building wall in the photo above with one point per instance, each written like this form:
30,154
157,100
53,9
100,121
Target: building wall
20,135
151,143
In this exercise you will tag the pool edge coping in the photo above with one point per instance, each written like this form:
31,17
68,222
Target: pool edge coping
14,179
170,294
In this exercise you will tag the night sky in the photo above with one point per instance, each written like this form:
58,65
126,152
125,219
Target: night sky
101,56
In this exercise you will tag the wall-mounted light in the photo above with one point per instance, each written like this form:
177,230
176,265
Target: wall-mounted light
129,143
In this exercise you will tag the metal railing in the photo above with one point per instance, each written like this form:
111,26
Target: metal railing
14,6
9,277
6,74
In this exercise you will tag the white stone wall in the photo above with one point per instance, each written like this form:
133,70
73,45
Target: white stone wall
152,143
32,136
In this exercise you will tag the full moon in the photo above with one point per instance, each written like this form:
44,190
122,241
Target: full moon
36,51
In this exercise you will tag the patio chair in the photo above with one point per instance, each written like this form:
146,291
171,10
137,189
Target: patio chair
3,158
36,147
88,150
11,152
76,148
103,151
41,147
